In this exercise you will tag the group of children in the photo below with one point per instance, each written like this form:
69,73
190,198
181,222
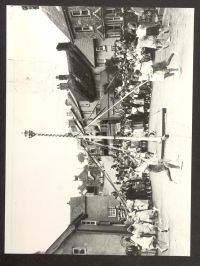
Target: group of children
143,227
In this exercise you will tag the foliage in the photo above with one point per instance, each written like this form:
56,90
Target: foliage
111,65
81,157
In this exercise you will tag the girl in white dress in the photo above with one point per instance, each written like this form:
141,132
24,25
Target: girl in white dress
140,204
144,216
147,243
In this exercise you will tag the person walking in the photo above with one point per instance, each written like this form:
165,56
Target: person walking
158,165
158,72
162,70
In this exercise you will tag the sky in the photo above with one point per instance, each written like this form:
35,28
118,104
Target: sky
39,171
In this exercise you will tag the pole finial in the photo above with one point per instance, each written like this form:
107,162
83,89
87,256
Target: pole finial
29,133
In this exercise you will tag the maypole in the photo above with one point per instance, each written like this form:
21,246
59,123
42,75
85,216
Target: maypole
30,134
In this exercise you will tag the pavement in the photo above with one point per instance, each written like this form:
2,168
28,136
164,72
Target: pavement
173,199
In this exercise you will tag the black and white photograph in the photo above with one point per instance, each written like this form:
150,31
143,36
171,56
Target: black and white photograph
99,106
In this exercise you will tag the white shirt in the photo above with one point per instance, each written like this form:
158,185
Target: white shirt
141,31
149,42
133,110
144,242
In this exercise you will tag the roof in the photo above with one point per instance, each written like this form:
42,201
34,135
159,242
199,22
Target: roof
52,249
67,233
86,46
61,20
77,207
57,16
73,50
80,68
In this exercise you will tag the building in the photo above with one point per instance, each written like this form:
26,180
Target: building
80,77
95,228
93,31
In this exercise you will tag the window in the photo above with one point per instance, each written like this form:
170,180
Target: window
89,222
69,113
86,112
111,34
112,212
113,30
116,18
84,104
113,27
79,251
110,11
104,223
80,13
112,47
101,48
83,29
101,60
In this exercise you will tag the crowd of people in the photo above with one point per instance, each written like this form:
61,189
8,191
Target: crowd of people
134,51
133,165
133,63
143,227
133,60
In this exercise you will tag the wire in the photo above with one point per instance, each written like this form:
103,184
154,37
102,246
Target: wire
142,83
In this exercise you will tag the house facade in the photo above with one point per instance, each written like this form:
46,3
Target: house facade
92,32
98,230
100,25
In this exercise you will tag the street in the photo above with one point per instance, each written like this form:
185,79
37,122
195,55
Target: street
173,199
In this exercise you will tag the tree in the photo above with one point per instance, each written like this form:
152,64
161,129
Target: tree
81,157
111,65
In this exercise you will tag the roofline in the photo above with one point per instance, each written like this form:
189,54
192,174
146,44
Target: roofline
83,57
70,45
67,233
68,23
